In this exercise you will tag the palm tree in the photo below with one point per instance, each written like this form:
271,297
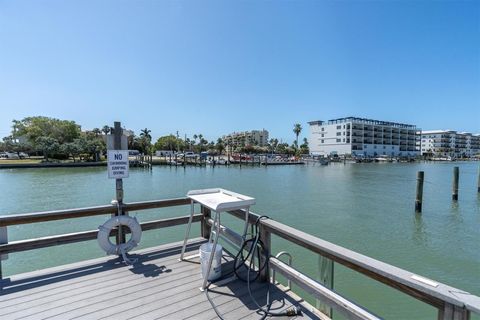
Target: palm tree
97,131
145,133
147,138
106,129
297,128
220,146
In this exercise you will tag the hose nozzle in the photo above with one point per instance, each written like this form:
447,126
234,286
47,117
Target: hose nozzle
293,311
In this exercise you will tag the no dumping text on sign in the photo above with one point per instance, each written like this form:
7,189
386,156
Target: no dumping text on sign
117,164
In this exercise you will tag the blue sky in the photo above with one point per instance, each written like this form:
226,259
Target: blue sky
213,67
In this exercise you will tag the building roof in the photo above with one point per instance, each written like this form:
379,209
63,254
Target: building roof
364,120
438,131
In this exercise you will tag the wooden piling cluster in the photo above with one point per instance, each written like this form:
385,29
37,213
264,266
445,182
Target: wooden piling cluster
455,187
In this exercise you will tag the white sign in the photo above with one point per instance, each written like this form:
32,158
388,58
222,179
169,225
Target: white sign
117,164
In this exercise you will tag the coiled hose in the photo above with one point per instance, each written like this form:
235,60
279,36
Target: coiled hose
256,248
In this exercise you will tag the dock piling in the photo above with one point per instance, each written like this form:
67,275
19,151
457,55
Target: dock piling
419,193
455,184
478,180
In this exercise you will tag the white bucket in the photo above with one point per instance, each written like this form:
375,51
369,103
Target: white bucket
216,269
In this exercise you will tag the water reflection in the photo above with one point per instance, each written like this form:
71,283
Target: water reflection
419,230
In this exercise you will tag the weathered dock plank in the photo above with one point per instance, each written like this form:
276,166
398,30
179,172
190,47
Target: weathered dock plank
158,286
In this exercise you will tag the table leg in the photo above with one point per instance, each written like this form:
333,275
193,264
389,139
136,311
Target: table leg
187,233
212,253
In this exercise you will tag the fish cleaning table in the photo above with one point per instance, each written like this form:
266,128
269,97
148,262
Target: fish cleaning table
218,200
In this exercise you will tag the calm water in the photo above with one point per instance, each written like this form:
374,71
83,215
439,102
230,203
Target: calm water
364,207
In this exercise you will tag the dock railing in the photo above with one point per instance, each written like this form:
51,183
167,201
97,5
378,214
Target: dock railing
452,303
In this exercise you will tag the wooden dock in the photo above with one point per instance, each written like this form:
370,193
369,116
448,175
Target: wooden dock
157,286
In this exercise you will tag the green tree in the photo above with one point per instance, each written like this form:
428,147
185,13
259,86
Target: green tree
297,129
47,145
284,148
33,128
304,149
10,144
273,144
220,146
169,142
70,149
94,148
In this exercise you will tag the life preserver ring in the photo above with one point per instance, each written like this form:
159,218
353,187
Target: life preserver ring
105,229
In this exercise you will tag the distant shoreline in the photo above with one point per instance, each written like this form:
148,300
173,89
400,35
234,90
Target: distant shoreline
52,165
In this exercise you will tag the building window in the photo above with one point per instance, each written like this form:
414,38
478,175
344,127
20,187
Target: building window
339,133
339,140
322,141
323,129
343,139
339,127
322,135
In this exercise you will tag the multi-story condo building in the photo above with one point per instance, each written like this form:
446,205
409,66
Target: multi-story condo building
450,143
254,137
364,137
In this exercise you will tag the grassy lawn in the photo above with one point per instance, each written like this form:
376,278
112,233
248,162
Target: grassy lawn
16,161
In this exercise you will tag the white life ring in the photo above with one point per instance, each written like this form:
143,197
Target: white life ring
104,232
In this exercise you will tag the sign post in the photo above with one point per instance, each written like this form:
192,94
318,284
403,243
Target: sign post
117,160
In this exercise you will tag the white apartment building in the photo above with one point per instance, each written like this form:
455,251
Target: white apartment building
254,137
450,143
364,137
